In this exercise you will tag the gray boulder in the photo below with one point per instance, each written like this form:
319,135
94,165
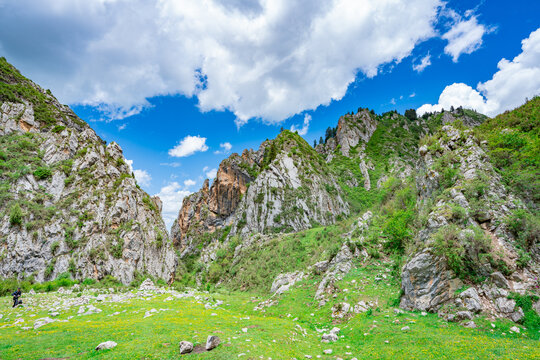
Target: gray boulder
185,347
106,345
212,342
471,300
425,281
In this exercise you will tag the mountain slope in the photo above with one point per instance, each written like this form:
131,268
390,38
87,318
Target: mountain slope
69,202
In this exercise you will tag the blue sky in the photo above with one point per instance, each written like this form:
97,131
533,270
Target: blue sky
101,58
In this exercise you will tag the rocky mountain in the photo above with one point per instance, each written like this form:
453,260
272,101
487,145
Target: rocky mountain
69,201
428,194
283,186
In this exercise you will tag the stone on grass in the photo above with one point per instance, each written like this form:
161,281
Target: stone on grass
470,324
185,347
515,329
327,351
405,328
212,342
464,315
106,345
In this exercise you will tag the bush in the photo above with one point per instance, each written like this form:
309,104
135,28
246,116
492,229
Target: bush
523,259
525,227
54,246
42,173
531,319
397,230
465,252
15,215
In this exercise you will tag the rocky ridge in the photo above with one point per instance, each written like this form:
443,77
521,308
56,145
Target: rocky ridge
70,201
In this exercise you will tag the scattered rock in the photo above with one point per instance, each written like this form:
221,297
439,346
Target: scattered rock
147,285
515,329
185,347
106,345
212,342
405,328
283,282
470,324
463,315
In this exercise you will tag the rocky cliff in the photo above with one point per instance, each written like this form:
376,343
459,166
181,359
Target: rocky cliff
283,186
211,208
465,240
70,203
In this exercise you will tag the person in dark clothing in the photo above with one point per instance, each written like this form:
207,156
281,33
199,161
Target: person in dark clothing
16,295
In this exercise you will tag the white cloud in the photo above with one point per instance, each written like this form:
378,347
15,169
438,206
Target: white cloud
464,37
412,95
172,195
304,129
189,183
424,63
143,177
511,84
459,94
267,59
225,148
189,146
122,127
211,174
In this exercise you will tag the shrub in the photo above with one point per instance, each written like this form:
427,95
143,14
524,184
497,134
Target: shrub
54,246
523,259
525,227
159,240
465,252
42,173
15,215
397,230
531,319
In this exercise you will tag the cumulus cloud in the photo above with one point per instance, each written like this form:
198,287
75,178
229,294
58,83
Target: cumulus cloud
266,59
189,183
225,148
459,94
172,195
424,63
210,174
304,129
189,146
511,84
465,36
143,177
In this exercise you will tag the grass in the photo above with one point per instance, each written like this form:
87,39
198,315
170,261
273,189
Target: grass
283,331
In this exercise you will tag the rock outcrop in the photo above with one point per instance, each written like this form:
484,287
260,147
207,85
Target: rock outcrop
70,203
283,186
465,233
211,207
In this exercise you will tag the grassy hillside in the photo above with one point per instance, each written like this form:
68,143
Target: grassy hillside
514,147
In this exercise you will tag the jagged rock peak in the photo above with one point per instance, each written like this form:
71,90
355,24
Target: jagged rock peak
210,208
76,208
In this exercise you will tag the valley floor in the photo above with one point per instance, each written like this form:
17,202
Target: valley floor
150,324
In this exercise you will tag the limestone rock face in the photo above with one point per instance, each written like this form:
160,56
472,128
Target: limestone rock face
81,211
425,281
211,207
469,221
355,128
284,185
